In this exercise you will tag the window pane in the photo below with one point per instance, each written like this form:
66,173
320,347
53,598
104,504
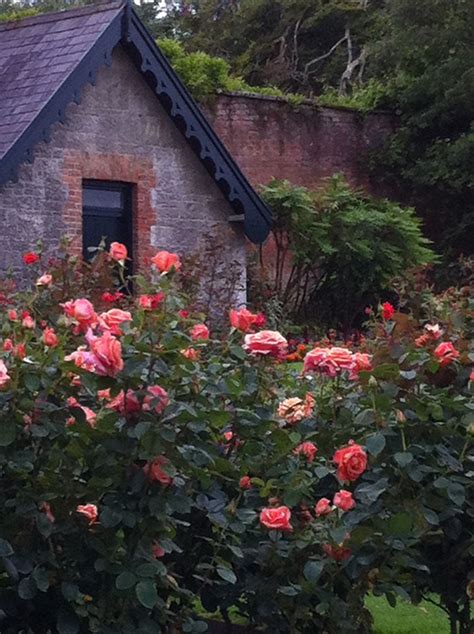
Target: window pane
95,197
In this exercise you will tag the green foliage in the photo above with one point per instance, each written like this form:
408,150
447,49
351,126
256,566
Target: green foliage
338,249
364,98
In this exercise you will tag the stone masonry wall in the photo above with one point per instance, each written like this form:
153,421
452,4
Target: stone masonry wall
118,132
270,138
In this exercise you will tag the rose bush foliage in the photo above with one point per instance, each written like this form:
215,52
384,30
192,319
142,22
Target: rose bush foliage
151,468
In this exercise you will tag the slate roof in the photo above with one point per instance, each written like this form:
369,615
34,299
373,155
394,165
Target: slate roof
46,60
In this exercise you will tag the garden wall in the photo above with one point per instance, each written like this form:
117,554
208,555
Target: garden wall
270,137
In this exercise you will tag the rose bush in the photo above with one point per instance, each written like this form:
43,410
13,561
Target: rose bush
144,464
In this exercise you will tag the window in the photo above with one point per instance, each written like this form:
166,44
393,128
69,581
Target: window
106,214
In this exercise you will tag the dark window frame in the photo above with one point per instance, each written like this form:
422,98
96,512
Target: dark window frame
125,210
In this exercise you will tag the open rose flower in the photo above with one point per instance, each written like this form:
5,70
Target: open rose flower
28,322
155,472
4,376
50,338
277,518
329,361
387,311
190,353
150,302
156,399
293,410
118,252
82,311
122,403
446,353
306,449
266,342
105,354
112,319
242,319
199,331
8,345
31,257
12,315
434,331
89,511
245,482
343,500
165,261
351,462
362,362
323,507
45,280
91,416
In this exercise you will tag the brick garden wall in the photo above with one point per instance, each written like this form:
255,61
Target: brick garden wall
119,132
271,138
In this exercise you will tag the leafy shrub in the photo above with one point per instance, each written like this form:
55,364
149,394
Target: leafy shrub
337,249
148,467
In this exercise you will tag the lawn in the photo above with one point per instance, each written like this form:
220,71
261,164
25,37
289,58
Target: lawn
405,618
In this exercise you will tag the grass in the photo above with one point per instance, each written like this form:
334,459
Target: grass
406,618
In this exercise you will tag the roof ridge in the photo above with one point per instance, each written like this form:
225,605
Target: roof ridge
63,14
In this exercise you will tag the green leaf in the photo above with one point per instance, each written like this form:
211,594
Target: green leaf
289,591
125,580
7,433
227,574
456,493
40,575
27,588
69,590
375,444
312,570
403,458
5,548
400,524
110,518
146,594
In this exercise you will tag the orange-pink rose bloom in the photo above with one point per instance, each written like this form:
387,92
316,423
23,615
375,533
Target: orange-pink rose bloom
266,342
50,338
307,449
351,462
113,318
446,353
343,500
199,331
165,261
156,398
118,252
242,319
329,361
44,280
89,511
82,311
323,507
277,519
155,472
122,404
105,354
295,409
4,376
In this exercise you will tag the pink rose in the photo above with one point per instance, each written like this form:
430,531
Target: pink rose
338,553
190,353
295,409
156,398
82,311
4,376
245,482
351,462
112,319
154,471
50,338
157,550
434,331
446,353
266,342
89,511
8,345
90,415
329,361
165,261
12,315
277,519
105,354
343,500
122,404
44,280
28,322
307,449
199,331
242,319
150,302
118,252
362,362
46,509
323,507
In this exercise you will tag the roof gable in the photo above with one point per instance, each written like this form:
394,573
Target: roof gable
46,60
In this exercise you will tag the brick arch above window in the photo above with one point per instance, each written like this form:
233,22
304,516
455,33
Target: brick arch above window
125,168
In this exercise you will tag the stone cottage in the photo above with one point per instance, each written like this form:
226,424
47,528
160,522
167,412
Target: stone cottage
99,137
